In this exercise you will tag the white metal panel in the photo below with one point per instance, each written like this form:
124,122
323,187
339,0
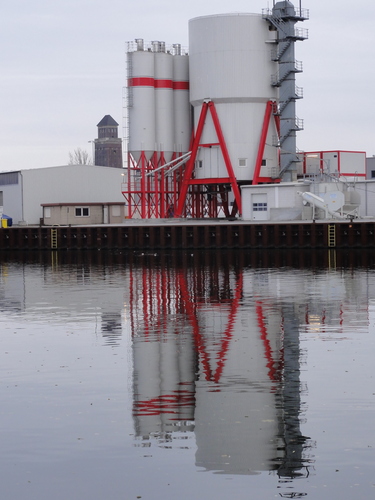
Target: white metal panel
142,104
182,122
212,163
230,58
164,103
12,200
330,161
241,124
352,163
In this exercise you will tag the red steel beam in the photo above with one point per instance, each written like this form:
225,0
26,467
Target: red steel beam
208,105
190,164
262,142
224,150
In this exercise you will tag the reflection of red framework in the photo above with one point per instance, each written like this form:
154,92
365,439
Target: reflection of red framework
156,295
274,367
191,310
165,404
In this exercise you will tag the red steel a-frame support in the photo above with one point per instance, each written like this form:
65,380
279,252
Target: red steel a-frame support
152,192
271,109
188,179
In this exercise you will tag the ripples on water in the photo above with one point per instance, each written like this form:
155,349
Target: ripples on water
185,376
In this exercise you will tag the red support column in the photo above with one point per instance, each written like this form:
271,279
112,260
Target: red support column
207,105
262,142
190,164
224,150
161,194
143,185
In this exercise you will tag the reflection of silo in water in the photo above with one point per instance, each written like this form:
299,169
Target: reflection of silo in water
164,388
236,417
246,402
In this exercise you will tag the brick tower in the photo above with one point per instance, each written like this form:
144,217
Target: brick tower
108,146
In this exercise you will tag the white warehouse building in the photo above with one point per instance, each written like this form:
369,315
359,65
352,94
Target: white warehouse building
69,194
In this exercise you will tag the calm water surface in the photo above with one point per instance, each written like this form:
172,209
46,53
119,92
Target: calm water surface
187,376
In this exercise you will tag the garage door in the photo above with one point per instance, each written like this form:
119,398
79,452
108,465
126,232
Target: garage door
259,207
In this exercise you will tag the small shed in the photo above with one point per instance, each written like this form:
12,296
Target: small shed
83,213
273,201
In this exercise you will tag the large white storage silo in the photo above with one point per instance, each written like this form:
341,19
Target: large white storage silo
158,100
230,64
141,106
182,109
163,100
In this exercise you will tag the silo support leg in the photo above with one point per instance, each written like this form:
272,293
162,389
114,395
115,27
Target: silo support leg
224,150
208,105
190,164
262,141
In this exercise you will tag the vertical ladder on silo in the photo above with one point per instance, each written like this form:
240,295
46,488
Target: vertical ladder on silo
331,235
53,238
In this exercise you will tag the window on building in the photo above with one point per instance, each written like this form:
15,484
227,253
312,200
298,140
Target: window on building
259,207
372,174
242,162
82,211
264,163
47,212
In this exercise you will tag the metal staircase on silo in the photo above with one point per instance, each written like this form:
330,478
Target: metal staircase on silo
283,18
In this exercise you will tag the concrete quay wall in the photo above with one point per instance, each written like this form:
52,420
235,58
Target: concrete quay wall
188,234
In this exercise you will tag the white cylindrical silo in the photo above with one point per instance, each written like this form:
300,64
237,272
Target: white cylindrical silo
164,100
230,63
182,114
141,103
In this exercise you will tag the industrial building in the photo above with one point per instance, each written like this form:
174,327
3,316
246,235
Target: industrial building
207,123
370,167
211,132
69,194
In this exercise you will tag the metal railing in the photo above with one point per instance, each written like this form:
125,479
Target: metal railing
299,14
278,77
155,46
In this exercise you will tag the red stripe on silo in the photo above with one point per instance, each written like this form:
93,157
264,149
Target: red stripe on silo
163,84
158,84
181,85
141,82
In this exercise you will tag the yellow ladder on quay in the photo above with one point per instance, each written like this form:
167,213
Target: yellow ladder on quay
331,235
53,238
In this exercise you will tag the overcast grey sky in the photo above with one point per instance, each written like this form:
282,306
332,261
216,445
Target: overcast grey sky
63,68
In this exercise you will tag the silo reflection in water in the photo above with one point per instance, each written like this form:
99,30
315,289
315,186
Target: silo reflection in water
214,353
164,355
